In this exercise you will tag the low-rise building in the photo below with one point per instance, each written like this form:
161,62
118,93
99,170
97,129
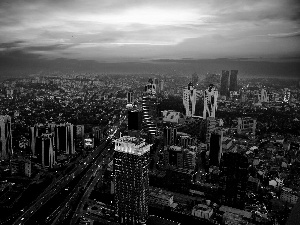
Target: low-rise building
288,195
202,211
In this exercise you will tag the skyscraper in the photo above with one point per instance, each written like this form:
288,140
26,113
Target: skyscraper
170,134
5,137
64,138
131,160
210,102
233,80
224,83
44,150
189,100
215,148
134,120
150,108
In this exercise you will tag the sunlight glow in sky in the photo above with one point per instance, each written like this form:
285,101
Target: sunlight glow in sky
109,29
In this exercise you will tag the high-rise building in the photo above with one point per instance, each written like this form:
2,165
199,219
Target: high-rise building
44,150
64,138
97,134
5,137
170,134
150,108
129,97
210,102
189,100
215,148
211,124
233,80
131,161
224,83
157,87
135,120
80,132
234,178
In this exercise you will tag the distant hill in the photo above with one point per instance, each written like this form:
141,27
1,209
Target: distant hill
17,63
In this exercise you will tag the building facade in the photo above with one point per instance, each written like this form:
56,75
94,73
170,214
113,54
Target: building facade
210,102
131,161
189,100
5,137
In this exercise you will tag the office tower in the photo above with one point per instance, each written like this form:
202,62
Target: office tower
211,124
97,134
79,132
135,120
233,80
170,134
189,100
129,97
286,95
210,102
224,83
246,125
215,150
233,179
5,137
131,161
150,108
195,78
157,87
44,150
38,130
20,166
189,159
161,85
64,138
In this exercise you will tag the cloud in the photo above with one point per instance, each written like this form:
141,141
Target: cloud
71,27
285,35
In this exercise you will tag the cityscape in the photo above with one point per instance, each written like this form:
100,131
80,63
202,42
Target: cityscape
150,112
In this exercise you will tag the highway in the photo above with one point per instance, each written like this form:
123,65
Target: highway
88,181
57,189
89,188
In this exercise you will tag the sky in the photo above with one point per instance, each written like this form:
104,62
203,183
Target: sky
142,29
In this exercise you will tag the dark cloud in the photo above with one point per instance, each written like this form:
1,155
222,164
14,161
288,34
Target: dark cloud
9,45
49,47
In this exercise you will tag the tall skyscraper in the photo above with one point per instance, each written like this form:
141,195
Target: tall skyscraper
189,100
134,120
131,161
5,137
215,148
64,138
44,150
224,83
210,102
150,108
233,80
